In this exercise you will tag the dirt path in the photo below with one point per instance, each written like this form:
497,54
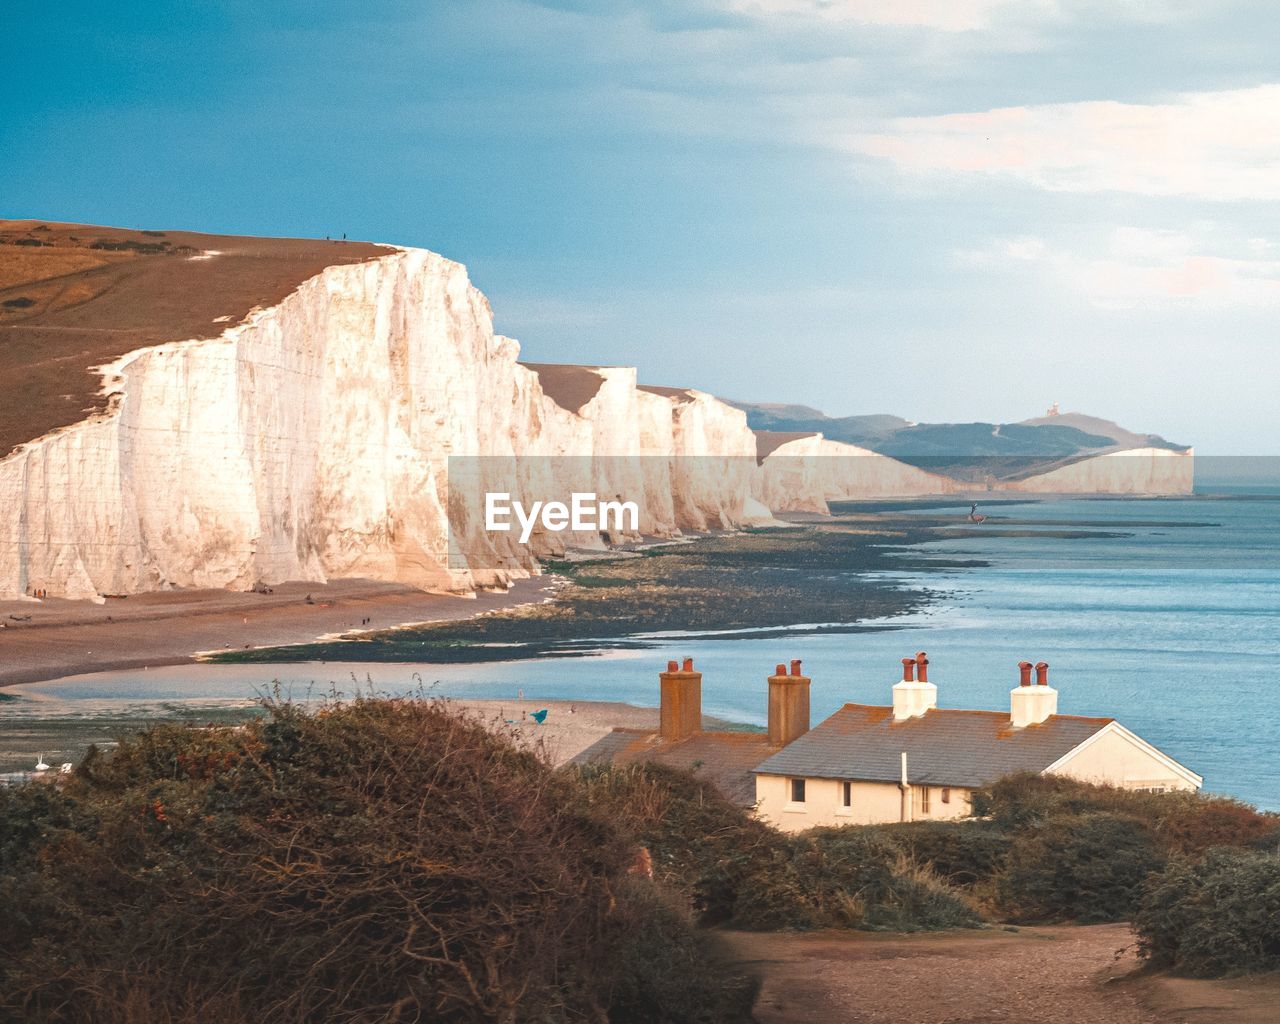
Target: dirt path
1058,975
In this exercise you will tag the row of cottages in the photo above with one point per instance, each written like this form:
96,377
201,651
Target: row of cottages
870,764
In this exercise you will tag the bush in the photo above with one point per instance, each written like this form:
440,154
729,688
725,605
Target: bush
1177,822
893,890
961,853
1213,917
701,844
379,860
671,973
1086,868
1188,823
739,872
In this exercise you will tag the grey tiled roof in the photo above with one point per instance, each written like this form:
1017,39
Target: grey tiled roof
725,759
944,747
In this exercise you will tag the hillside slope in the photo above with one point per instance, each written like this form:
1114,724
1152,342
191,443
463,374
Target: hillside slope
973,452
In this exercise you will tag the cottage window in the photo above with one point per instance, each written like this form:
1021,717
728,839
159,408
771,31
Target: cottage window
924,799
797,791
846,794
946,794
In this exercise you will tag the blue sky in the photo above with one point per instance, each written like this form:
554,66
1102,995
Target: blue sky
944,209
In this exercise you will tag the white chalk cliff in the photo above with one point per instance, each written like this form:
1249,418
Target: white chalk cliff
313,441
805,473
1132,471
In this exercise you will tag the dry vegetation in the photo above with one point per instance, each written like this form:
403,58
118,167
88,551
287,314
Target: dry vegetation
23,266
376,861
395,860
76,296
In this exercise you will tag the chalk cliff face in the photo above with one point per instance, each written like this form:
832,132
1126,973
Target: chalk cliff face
1135,471
353,429
314,440
804,473
305,443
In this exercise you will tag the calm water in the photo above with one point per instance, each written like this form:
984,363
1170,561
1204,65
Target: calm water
1173,627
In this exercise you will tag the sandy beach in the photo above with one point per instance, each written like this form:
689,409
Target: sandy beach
54,638
569,727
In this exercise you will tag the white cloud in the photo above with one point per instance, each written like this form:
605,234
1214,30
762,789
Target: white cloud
1134,268
1213,145
973,15
945,15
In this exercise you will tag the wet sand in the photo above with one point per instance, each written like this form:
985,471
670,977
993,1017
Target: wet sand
53,638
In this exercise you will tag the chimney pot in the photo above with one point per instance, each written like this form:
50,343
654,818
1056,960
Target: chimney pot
788,705
914,695
680,713
780,670
1031,705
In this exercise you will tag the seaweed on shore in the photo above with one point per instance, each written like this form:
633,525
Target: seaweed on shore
833,577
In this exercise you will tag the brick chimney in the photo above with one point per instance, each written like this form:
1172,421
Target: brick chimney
681,712
1031,703
788,705
914,695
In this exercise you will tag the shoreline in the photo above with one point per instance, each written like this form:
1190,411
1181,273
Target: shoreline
52,639
48,640
834,574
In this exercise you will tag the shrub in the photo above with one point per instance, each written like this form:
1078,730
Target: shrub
961,853
1028,798
1190,823
701,844
737,871
671,973
1177,822
1217,916
894,890
384,859
1086,868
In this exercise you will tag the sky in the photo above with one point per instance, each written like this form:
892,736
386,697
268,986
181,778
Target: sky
949,210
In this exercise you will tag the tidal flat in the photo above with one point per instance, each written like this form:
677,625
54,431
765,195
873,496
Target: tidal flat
840,574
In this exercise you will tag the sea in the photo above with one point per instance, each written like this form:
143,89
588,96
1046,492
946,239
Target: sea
1162,613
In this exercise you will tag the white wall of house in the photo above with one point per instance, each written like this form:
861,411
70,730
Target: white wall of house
871,803
1119,758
